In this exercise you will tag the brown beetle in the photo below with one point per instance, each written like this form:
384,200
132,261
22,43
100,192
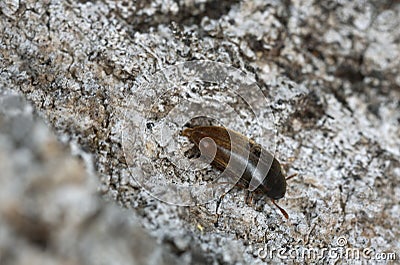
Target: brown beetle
219,145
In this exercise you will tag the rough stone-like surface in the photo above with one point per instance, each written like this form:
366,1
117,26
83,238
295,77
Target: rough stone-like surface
50,213
329,68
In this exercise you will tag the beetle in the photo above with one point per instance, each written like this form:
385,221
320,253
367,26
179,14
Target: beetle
219,144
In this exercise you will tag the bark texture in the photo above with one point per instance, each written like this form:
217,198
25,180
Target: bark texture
330,72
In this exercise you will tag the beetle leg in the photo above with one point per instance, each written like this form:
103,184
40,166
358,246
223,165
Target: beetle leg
249,198
219,201
291,176
281,209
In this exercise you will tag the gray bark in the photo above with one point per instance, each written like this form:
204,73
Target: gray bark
330,73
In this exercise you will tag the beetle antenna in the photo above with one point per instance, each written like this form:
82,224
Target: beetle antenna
291,176
281,209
